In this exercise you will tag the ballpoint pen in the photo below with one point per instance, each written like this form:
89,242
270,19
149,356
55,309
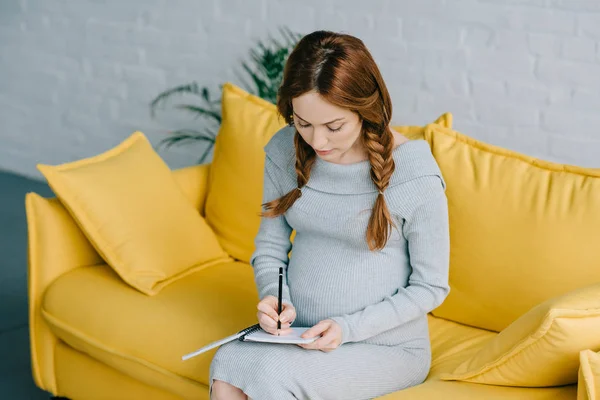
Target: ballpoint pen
279,299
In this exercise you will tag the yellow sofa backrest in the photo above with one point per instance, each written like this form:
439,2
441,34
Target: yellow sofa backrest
522,230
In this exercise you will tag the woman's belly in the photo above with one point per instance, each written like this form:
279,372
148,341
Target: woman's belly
325,283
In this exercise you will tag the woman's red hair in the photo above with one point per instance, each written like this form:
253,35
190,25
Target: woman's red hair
340,68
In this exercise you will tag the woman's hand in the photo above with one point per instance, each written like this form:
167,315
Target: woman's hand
331,336
267,316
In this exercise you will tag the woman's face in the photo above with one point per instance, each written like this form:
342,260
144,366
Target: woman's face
330,130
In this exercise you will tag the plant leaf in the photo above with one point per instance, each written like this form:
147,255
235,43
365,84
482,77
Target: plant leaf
205,134
258,82
190,88
182,136
205,95
262,76
205,153
244,84
199,111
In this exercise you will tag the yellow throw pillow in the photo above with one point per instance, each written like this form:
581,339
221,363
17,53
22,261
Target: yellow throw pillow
237,167
132,210
522,230
236,173
589,375
542,347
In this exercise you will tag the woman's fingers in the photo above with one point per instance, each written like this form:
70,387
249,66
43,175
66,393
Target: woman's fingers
286,331
330,333
269,325
268,321
267,316
288,313
268,307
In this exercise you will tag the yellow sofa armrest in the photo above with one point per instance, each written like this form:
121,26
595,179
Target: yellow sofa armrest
194,183
56,245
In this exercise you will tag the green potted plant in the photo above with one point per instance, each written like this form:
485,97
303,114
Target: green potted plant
265,71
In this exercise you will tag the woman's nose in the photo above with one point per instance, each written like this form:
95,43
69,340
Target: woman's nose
319,141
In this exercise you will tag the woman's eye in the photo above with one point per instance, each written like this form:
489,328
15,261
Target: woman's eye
330,129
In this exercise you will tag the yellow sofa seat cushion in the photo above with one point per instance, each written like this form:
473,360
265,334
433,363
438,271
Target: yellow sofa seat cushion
589,375
522,229
143,336
542,347
237,167
94,311
79,376
451,344
135,214
435,389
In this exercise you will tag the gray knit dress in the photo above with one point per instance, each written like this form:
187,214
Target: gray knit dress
379,298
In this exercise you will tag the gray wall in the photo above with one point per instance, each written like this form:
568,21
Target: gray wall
76,76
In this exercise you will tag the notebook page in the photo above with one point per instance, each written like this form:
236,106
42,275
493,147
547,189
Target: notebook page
292,337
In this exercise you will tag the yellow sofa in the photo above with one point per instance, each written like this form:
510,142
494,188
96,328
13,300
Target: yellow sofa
93,336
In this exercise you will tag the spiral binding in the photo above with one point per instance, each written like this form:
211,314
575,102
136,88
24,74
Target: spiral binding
248,331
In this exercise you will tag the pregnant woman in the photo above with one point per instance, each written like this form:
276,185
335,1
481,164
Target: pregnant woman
371,253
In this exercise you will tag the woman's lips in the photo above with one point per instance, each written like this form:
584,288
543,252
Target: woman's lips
323,153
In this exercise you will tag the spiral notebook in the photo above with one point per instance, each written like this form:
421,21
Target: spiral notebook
255,333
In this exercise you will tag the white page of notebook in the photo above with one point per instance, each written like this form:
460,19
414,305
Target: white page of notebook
292,337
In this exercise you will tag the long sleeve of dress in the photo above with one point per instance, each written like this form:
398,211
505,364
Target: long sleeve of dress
272,242
427,233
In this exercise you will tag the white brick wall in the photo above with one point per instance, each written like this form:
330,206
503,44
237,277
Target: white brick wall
76,76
